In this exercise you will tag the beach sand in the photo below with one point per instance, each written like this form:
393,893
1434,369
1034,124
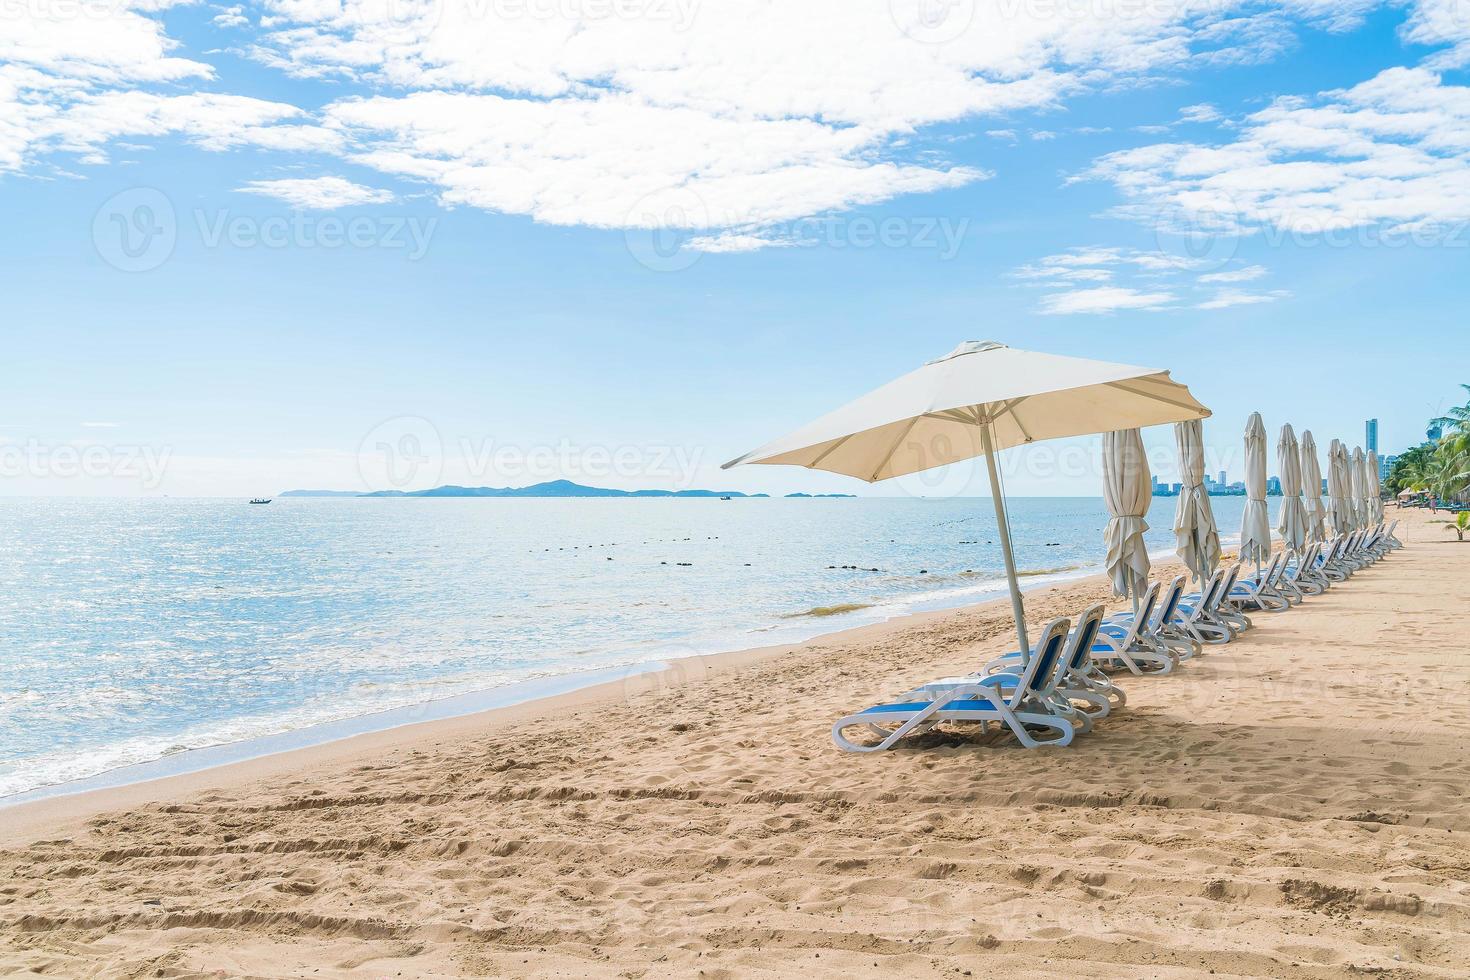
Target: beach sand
1296,804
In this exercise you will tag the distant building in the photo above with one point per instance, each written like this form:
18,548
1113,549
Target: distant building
1434,432
1273,486
1177,488
1222,480
1324,486
1385,466
1370,436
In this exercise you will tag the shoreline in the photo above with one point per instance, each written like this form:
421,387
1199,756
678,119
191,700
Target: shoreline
1294,804
48,805
207,758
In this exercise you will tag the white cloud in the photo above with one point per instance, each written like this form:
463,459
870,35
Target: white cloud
720,117
1104,299
1226,298
1136,280
1392,152
231,17
1201,113
317,193
1235,275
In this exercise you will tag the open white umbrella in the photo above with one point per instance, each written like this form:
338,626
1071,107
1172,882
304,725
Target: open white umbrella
1339,511
1312,487
1255,523
1128,490
1375,488
978,399
1357,471
1196,539
1292,523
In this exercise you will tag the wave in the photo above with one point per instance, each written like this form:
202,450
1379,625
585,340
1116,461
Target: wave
837,610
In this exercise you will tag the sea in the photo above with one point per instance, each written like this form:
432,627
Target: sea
144,637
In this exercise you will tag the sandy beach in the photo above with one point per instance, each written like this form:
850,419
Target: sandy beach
1296,804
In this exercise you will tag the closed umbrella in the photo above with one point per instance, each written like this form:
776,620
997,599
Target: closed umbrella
1255,523
1128,490
1339,512
1312,488
1375,488
978,399
1196,539
1357,470
1292,523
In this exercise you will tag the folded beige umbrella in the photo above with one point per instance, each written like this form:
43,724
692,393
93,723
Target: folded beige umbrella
1128,490
1255,523
1292,523
978,399
1312,487
1198,539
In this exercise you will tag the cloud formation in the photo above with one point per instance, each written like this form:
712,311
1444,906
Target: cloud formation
317,193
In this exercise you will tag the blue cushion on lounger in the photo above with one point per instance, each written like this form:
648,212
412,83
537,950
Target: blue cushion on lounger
974,704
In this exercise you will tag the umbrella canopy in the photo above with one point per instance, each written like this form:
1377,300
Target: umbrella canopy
1375,490
1312,487
1406,493
1357,472
1197,540
980,398
1339,512
1255,523
1292,523
1128,490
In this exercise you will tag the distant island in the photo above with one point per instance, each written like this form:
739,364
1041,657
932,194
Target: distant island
552,488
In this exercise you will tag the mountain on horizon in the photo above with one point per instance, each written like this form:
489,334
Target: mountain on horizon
550,488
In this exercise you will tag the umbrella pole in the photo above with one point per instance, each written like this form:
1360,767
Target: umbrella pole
1017,610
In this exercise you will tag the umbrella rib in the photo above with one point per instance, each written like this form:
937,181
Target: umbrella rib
1015,416
1148,394
831,449
888,456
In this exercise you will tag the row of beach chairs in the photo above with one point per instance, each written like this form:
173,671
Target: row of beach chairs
1064,685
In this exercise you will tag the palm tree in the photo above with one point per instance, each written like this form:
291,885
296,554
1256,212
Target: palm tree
1446,474
1457,418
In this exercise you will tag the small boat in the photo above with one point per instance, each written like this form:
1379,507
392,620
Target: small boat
724,498
260,500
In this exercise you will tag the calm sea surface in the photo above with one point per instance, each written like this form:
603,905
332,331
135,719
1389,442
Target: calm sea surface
134,629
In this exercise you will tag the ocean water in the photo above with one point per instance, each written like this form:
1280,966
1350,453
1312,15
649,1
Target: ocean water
132,630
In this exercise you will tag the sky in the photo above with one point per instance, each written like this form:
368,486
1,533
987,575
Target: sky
386,244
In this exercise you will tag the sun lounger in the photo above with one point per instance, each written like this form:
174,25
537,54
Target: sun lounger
1079,682
1260,592
1124,642
1024,708
1190,614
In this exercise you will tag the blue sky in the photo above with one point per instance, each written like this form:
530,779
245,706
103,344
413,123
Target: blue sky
248,247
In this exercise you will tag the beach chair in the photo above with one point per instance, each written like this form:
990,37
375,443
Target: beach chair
1218,610
1190,613
1164,630
1391,539
1024,709
1303,575
1078,682
1123,641
1329,566
1260,592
